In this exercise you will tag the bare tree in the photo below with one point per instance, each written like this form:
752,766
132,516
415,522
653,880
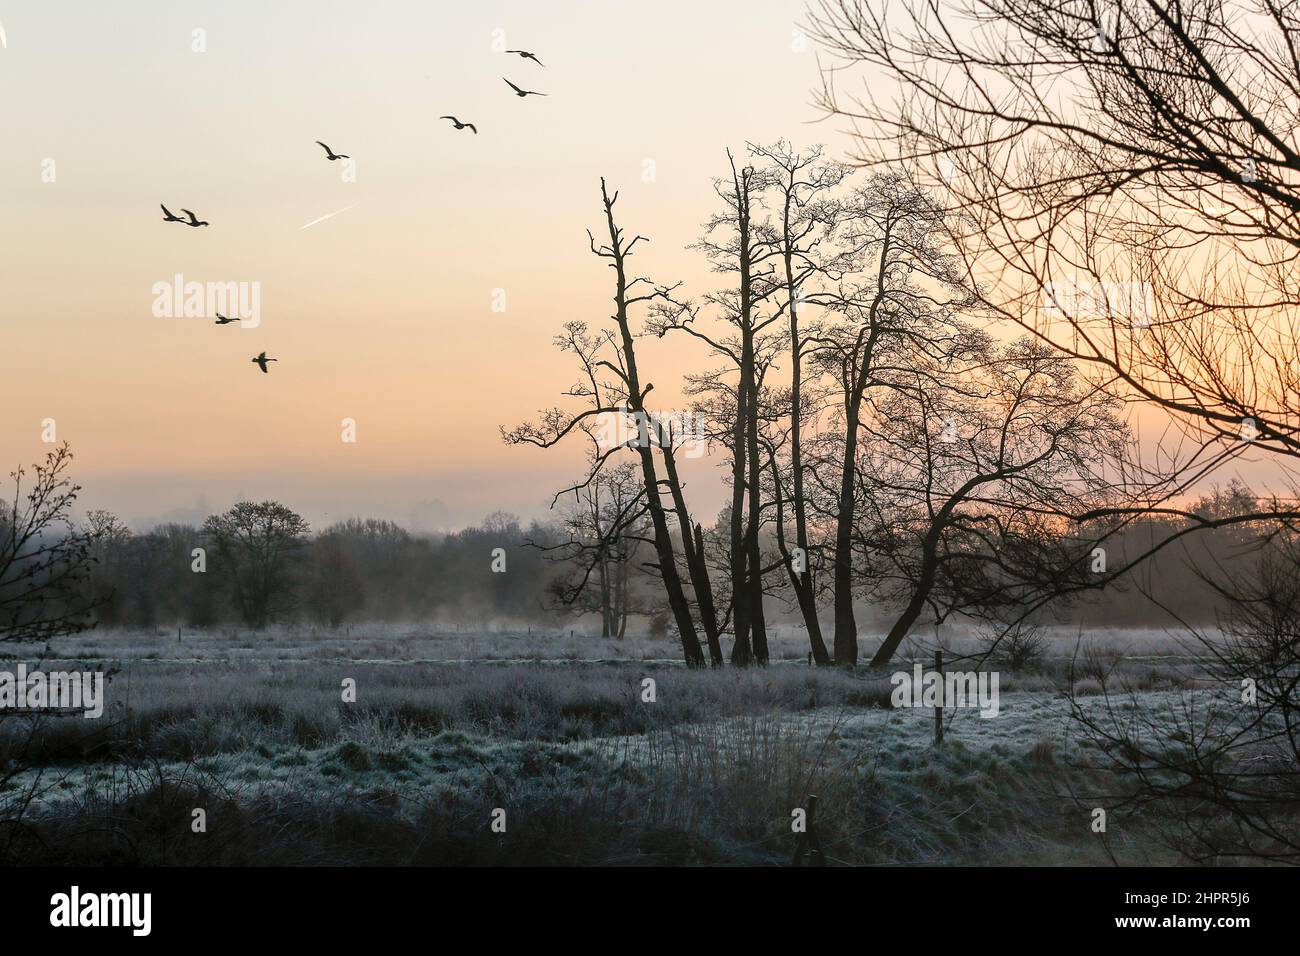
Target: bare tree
897,306
973,481
1128,176
611,386
770,257
44,559
603,526
806,221
740,242
1129,179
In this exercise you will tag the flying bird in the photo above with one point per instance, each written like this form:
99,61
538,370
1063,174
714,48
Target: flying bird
330,154
195,221
519,92
261,361
168,216
528,56
460,125
223,320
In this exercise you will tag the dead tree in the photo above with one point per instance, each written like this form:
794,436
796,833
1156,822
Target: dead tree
612,387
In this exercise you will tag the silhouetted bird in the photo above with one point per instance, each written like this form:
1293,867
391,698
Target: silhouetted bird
527,56
460,125
519,92
261,361
195,221
222,320
330,154
167,215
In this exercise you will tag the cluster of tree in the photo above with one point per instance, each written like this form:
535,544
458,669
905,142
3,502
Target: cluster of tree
259,563
903,455
908,409
1090,145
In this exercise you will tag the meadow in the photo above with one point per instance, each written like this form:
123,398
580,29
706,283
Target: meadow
512,747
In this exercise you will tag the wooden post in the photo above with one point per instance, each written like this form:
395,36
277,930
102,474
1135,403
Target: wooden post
938,711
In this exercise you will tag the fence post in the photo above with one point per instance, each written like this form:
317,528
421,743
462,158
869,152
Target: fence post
938,711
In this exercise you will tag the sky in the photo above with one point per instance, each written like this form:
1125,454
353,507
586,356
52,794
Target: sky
380,284
383,312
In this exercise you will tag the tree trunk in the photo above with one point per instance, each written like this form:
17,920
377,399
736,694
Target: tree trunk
846,626
740,650
753,558
693,549
704,594
801,581
691,649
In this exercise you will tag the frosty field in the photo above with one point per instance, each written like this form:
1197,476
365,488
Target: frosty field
555,731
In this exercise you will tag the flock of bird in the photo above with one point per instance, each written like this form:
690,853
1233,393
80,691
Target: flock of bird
194,221
519,91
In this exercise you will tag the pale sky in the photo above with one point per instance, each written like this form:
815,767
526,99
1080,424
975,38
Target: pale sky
383,312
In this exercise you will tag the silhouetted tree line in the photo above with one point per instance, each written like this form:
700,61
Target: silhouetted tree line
261,563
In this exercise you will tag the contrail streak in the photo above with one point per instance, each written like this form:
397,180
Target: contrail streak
330,215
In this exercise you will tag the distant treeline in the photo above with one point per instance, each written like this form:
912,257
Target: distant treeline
260,563
1183,580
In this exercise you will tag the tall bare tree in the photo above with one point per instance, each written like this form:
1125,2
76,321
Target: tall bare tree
897,305
612,386
807,215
